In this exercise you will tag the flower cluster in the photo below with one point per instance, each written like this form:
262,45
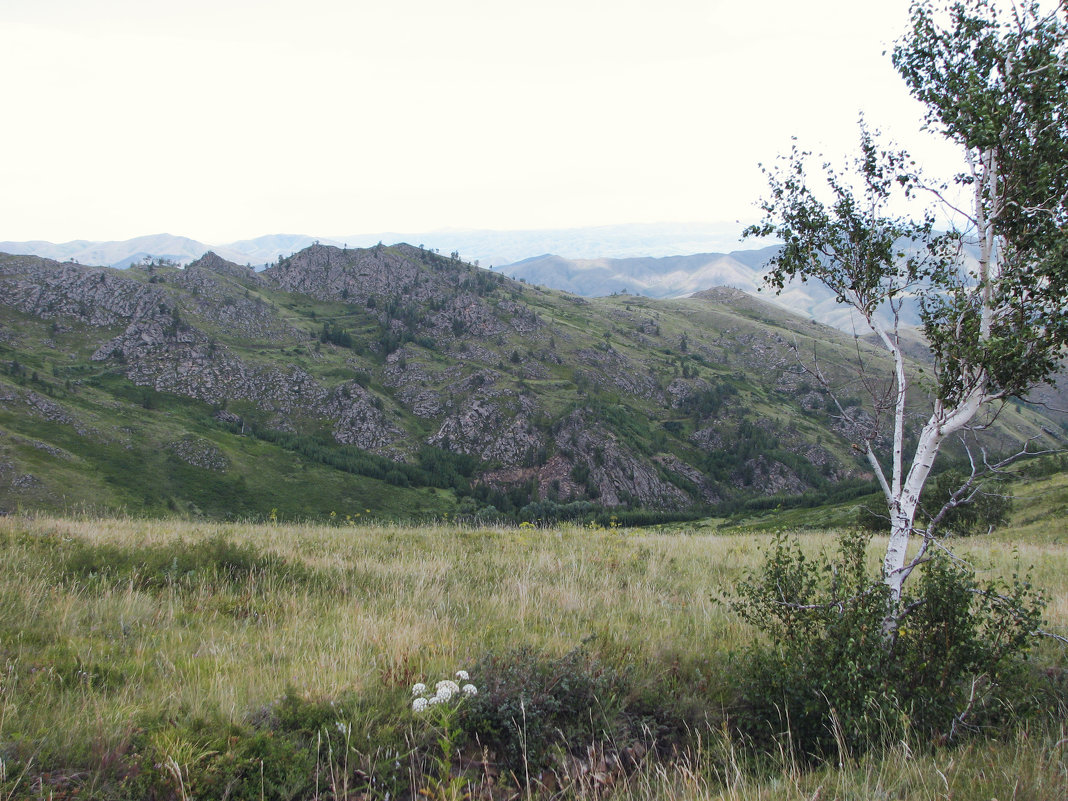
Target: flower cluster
444,692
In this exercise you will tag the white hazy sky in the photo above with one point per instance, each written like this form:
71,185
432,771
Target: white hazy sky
228,119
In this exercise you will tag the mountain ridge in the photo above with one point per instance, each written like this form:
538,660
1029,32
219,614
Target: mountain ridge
486,246
393,378
609,265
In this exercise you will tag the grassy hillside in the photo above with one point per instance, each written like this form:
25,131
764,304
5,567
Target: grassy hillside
397,380
108,446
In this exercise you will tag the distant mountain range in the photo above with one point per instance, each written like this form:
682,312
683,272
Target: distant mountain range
666,277
179,249
590,262
680,276
487,247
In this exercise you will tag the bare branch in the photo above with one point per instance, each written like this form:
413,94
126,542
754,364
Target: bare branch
960,721
1051,635
839,604
945,202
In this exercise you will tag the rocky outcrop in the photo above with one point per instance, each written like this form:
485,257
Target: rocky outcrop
359,421
495,426
200,453
93,296
330,273
551,480
710,438
614,370
690,474
407,288
615,470
219,295
770,477
213,263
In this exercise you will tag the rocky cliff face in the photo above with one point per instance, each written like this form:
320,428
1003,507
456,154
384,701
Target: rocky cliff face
94,296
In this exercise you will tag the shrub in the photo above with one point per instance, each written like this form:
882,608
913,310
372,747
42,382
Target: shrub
872,516
528,704
830,675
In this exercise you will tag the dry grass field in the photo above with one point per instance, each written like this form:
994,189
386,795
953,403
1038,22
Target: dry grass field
166,659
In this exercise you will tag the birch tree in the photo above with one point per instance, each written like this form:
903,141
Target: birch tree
995,84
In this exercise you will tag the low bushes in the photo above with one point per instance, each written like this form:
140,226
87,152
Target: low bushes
835,675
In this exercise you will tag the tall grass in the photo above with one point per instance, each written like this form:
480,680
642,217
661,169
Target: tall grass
1030,765
102,659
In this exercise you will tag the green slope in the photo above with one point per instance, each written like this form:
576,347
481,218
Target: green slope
396,380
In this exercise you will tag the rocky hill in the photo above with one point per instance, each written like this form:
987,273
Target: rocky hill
394,381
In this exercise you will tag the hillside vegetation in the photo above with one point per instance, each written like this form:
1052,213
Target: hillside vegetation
393,382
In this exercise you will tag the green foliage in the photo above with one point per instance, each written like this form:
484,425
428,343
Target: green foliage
844,242
834,673
627,422
391,339
749,443
529,703
872,516
445,468
615,518
550,512
1045,466
998,83
436,468
335,335
706,403
293,748
997,86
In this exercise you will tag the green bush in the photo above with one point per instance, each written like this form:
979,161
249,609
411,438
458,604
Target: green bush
832,674
288,750
873,516
530,704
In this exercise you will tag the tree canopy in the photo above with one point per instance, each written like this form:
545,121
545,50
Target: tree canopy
993,289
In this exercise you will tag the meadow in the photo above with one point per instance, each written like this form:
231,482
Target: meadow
177,659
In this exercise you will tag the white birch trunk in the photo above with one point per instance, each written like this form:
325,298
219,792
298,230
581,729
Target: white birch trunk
906,501
904,496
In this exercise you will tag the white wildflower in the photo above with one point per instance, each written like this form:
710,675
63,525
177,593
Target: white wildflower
432,700
343,728
419,705
470,689
419,689
452,685
461,675
444,693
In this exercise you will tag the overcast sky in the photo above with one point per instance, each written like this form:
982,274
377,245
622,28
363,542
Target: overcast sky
228,119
